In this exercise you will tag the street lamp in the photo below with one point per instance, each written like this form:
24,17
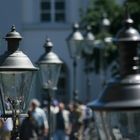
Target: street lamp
89,39
117,111
50,66
103,49
16,74
75,43
88,47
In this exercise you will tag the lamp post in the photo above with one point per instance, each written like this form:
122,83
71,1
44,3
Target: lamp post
75,42
16,73
50,65
103,49
117,111
88,47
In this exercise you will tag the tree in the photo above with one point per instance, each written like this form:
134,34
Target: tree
98,10
115,12
95,12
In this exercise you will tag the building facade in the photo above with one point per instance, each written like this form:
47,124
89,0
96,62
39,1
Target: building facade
38,19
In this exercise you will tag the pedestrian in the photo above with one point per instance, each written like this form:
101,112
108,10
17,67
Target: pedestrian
6,127
75,120
40,118
62,123
1,128
28,128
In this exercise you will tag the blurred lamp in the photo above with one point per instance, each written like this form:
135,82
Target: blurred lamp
75,42
50,66
89,39
75,47
117,110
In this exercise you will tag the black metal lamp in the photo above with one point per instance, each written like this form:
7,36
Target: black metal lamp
105,21
89,39
105,24
16,73
75,42
50,66
75,46
117,110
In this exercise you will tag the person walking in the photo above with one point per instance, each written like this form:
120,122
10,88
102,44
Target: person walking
6,127
39,115
75,121
28,129
62,123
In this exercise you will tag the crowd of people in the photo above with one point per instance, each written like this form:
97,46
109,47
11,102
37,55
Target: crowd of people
73,121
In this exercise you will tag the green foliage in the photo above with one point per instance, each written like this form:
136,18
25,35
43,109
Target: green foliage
96,10
104,56
104,53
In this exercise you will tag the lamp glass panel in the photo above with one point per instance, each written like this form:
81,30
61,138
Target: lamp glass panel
50,75
123,125
88,46
75,48
15,87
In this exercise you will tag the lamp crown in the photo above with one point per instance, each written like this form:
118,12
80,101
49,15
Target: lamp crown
48,45
13,34
89,35
13,38
127,33
127,39
75,27
128,21
14,59
13,28
88,28
105,21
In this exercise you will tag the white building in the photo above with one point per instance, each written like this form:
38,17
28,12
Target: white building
37,19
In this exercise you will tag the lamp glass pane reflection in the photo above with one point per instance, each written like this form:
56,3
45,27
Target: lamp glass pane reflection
50,75
15,87
75,42
88,41
119,125
89,44
75,48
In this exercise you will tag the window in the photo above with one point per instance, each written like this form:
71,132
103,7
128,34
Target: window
52,11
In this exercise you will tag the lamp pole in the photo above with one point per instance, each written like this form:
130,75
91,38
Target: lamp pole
117,111
16,73
75,43
75,90
50,66
49,99
106,41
